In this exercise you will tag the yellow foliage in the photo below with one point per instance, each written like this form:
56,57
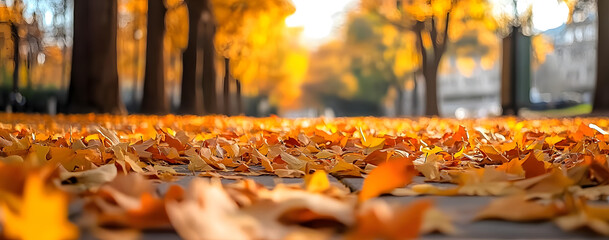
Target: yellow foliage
542,46
465,16
263,51
287,93
176,23
350,83
406,57
466,65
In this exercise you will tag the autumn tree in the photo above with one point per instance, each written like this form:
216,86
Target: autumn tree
154,99
94,85
378,45
200,32
247,35
12,18
430,22
206,41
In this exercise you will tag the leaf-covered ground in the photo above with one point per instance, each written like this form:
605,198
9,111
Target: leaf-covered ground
119,173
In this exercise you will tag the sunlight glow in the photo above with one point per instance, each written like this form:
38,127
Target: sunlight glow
318,18
549,14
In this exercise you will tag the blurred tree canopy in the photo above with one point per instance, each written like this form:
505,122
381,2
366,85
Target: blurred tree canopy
388,44
251,34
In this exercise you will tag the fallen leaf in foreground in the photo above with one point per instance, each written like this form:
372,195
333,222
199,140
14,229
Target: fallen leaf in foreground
518,208
130,201
376,220
42,215
436,221
583,215
207,212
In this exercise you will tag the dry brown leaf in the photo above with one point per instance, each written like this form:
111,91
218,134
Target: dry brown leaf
518,208
207,212
583,215
86,180
436,221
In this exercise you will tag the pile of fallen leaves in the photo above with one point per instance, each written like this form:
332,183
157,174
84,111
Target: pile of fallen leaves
119,170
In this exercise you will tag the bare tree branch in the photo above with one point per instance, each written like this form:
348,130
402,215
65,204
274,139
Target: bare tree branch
418,31
442,48
433,34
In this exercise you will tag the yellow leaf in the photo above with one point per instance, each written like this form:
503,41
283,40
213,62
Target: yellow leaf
553,140
343,168
317,182
43,214
433,150
370,141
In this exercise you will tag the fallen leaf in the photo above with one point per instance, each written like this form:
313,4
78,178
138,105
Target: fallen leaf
493,154
317,182
87,180
378,157
289,173
207,212
429,167
583,215
436,221
518,208
377,221
553,140
386,177
342,168
42,215
532,166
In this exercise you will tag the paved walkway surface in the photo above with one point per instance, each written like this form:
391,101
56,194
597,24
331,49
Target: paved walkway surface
461,209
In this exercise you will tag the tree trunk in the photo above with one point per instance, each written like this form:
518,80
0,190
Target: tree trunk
415,95
601,98
508,95
28,64
239,98
399,104
192,92
16,57
94,85
154,100
16,99
226,87
430,72
208,26
431,60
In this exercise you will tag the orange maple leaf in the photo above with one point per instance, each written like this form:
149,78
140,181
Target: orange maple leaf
386,177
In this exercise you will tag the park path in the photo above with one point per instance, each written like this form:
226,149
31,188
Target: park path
461,209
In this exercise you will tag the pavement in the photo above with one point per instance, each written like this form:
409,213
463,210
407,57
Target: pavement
461,209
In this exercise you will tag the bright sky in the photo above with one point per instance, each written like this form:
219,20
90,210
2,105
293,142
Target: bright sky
319,18
547,14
